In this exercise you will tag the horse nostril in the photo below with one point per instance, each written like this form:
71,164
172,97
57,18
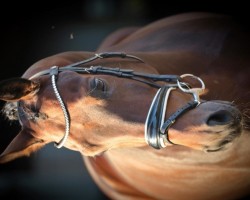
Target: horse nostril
221,117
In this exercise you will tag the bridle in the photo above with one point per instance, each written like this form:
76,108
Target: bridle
156,128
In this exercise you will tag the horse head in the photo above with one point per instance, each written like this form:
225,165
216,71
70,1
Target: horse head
102,107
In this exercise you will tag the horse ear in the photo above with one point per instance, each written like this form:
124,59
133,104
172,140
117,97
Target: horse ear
22,145
18,88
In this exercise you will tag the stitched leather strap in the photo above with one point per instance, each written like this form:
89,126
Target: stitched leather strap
177,114
156,130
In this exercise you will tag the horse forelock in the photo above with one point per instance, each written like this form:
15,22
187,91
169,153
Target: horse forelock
9,110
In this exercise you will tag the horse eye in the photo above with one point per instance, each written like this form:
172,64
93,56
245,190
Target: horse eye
98,84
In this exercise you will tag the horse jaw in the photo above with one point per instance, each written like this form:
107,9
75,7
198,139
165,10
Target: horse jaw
94,129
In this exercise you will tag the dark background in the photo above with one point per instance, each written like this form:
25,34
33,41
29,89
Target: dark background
32,31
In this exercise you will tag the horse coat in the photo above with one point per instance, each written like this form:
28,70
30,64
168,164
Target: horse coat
209,158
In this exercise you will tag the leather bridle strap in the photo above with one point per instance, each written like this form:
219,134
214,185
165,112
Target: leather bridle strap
190,105
156,130
149,79
154,118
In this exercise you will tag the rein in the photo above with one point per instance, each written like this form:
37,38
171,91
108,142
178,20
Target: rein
156,128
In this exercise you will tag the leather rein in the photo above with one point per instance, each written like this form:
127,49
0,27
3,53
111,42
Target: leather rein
156,128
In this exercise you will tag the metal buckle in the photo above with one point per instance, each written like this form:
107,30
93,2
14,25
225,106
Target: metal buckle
194,91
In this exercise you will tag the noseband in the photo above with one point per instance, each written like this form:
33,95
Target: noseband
156,128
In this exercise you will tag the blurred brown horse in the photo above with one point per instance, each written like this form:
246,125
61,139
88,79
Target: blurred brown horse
103,115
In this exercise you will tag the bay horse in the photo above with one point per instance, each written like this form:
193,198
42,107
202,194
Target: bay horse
133,109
